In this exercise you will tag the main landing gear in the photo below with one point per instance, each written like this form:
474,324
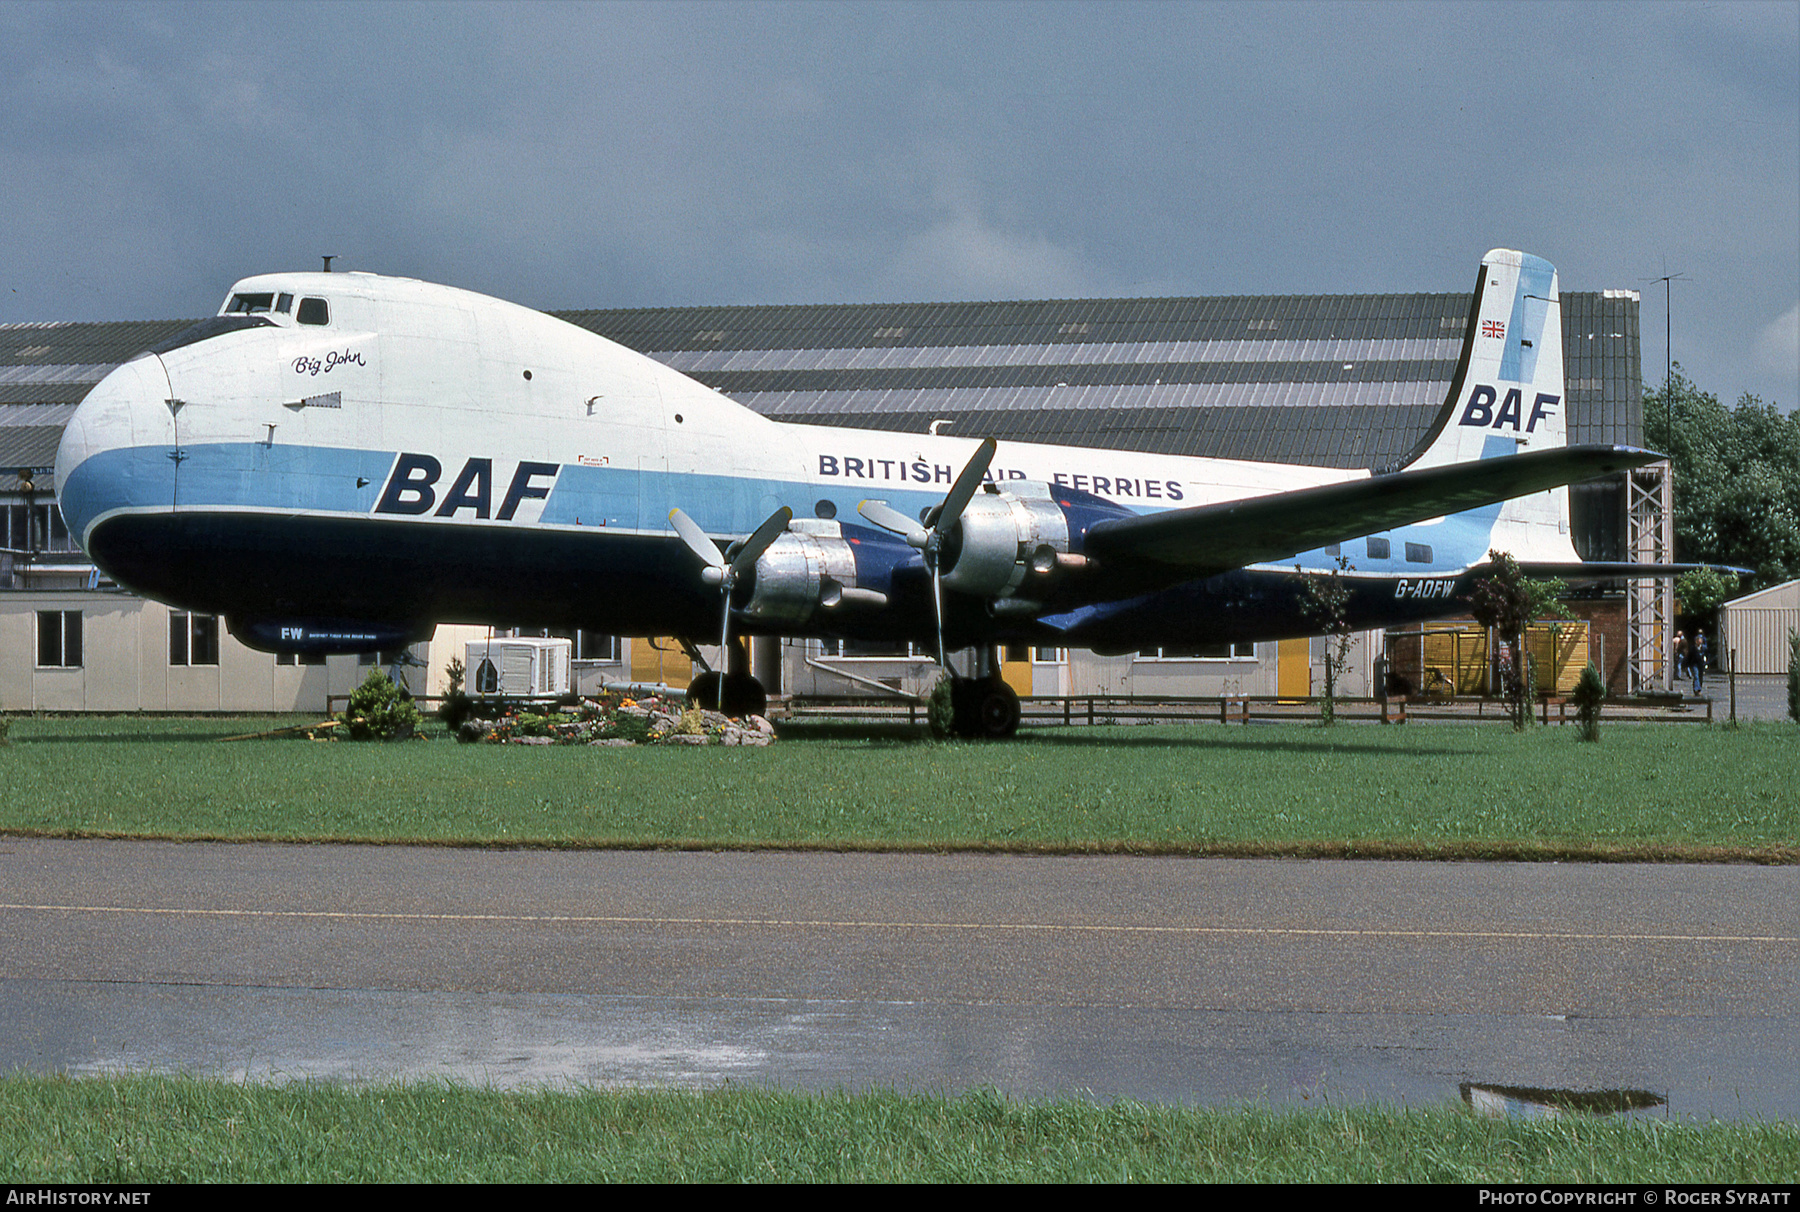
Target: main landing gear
983,708
744,695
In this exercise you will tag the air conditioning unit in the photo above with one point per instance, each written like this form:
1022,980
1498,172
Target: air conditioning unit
518,668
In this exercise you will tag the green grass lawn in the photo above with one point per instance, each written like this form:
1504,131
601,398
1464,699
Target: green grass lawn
174,1130
1643,792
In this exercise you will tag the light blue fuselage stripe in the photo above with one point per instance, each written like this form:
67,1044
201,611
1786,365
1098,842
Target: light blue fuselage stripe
323,480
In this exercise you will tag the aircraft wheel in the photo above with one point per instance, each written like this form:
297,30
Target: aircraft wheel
703,691
984,709
999,712
744,696
965,703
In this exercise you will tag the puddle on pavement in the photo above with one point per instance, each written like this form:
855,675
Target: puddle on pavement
1534,1102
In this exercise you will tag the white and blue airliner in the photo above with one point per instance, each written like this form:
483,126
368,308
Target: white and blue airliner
339,462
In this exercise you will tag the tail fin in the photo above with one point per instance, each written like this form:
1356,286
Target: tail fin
1508,393
1508,396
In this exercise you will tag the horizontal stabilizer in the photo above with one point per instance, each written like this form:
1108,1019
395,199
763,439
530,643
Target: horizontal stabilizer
1209,539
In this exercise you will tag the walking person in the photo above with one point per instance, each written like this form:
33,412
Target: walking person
1698,661
1681,656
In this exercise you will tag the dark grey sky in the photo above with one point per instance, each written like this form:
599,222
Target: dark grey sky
605,155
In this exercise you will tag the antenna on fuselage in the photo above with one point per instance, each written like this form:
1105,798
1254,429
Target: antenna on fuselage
328,260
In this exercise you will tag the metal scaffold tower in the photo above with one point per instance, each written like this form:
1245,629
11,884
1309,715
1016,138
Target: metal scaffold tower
1650,530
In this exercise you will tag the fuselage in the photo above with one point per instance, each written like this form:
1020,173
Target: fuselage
348,450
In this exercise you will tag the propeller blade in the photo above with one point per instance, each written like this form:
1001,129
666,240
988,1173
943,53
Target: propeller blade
888,518
696,539
937,608
773,527
724,652
966,486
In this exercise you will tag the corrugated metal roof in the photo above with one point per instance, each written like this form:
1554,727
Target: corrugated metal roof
29,445
1330,380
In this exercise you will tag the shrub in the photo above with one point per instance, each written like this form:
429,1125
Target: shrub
1590,692
380,711
940,709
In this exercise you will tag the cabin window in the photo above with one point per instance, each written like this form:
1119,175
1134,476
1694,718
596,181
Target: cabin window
1380,549
1418,553
249,305
313,311
59,639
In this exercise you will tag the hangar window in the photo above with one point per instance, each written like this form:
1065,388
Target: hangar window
1380,549
193,638
1199,652
1418,553
584,645
487,678
35,528
870,649
250,305
313,311
59,639
299,658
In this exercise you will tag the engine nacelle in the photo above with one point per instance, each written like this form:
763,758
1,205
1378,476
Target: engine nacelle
1002,537
812,567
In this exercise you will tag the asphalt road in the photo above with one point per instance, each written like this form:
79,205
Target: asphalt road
1195,980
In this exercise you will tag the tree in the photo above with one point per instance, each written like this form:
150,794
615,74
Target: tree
1510,602
1325,602
1737,478
1794,676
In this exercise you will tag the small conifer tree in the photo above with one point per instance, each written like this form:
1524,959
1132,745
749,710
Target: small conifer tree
1590,692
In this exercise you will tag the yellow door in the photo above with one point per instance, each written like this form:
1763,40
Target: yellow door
1293,677
660,660
1015,668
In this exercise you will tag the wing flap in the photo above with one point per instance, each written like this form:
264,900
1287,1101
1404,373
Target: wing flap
1208,539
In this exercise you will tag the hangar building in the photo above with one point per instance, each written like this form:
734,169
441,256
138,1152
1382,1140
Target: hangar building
1329,380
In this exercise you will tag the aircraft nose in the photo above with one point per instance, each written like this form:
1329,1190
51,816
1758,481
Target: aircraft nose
96,468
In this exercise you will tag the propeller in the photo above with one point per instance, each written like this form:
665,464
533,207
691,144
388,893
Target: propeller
929,538
723,573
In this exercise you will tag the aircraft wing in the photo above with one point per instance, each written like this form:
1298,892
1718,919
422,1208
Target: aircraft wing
1209,539
1592,570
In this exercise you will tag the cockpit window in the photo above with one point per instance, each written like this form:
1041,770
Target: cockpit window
249,305
284,304
313,311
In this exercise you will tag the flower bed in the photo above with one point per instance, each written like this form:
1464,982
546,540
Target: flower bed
615,721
